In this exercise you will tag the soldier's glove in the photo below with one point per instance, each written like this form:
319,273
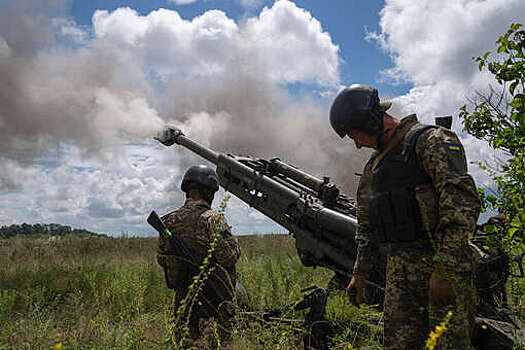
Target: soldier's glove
441,290
356,289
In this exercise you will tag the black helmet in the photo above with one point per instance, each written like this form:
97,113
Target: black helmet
358,107
202,175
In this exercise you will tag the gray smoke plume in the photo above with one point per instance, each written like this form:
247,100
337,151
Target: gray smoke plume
54,91
248,116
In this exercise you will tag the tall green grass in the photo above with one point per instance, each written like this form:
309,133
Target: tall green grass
109,293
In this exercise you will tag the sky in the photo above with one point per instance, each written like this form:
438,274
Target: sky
86,84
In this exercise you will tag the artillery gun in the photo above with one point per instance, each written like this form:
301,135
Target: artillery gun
323,222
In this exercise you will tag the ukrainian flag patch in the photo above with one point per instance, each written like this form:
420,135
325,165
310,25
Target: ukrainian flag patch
453,146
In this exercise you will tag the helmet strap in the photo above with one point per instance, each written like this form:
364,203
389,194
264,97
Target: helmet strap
207,194
381,131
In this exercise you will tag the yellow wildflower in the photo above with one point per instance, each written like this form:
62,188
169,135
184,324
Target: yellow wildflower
440,329
437,332
57,346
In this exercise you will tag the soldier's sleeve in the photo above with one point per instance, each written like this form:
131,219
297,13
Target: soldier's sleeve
366,245
227,251
164,247
175,272
442,155
162,251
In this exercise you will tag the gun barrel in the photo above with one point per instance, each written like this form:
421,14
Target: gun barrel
196,147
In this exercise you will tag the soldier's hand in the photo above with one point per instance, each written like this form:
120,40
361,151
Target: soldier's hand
356,289
441,290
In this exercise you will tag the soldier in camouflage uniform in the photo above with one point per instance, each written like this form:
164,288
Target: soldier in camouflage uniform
198,226
418,205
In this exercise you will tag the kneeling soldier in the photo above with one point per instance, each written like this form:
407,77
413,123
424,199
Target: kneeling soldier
199,226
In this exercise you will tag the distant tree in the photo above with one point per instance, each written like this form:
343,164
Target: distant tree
498,117
38,230
53,228
26,229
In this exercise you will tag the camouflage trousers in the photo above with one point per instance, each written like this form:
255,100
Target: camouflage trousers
409,314
204,326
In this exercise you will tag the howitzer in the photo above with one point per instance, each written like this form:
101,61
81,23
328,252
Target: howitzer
323,222
314,211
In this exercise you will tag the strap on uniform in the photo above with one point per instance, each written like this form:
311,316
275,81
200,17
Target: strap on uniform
412,137
394,141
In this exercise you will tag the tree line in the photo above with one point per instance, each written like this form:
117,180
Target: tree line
37,230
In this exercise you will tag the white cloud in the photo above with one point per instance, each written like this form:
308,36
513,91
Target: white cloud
5,51
182,2
435,41
110,197
69,29
249,4
104,196
292,44
122,25
285,43
432,45
13,174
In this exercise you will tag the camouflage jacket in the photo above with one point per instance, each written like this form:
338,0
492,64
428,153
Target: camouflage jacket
450,206
198,225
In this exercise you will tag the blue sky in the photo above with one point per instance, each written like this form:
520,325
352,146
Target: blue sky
86,84
346,21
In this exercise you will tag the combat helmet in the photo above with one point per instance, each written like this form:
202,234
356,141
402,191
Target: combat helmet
358,107
202,175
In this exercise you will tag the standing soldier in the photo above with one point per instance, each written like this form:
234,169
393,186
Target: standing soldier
199,226
418,204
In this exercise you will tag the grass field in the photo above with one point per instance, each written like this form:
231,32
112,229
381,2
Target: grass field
109,293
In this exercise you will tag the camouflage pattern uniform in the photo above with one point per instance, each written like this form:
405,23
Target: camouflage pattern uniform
197,224
449,209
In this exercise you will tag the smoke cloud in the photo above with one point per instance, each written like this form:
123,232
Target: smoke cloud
224,83
52,93
261,120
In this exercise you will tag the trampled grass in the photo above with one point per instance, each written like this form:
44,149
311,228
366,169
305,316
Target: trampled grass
109,293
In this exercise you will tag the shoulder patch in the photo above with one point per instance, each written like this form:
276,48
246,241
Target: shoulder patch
453,147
